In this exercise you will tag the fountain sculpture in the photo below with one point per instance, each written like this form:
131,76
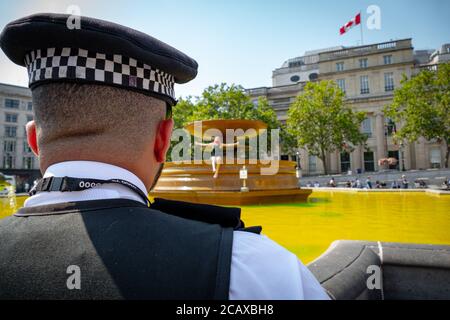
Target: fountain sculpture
194,182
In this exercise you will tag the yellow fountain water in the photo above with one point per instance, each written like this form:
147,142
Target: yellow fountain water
307,229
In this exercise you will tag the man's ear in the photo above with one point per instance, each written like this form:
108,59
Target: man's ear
31,137
162,141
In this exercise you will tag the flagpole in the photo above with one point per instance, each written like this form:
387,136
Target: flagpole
362,38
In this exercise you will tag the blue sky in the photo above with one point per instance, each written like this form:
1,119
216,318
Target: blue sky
242,41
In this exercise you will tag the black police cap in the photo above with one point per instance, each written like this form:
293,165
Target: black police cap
99,52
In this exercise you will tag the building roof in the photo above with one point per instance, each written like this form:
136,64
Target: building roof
310,56
13,90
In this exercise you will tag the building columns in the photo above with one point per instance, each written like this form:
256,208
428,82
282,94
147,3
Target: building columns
381,137
334,162
407,156
304,163
356,159
421,154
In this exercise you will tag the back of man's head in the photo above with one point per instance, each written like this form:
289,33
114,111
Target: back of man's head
95,122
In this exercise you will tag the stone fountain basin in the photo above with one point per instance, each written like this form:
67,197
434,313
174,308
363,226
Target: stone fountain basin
195,183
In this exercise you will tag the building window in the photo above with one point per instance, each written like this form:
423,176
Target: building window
312,164
11,117
435,158
295,78
30,117
10,132
345,162
30,106
369,163
26,147
389,81
341,84
296,64
28,163
367,127
12,103
391,127
9,146
363,63
313,76
364,83
387,59
9,162
340,66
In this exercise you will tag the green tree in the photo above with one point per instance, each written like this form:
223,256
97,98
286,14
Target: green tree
225,102
183,111
421,106
322,123
266,114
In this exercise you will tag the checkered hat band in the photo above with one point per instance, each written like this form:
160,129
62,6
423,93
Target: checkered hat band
84,65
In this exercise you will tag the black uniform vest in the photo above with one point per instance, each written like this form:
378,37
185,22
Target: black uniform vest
122,249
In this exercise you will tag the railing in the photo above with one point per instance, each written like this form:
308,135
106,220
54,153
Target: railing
431,67
257,91
305,67
274,90
332,55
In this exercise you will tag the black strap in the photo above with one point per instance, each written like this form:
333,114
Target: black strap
69,184
225,216
228,217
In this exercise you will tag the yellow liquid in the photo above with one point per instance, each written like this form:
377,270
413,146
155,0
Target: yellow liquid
307,229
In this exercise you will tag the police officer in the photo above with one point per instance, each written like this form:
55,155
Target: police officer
102,97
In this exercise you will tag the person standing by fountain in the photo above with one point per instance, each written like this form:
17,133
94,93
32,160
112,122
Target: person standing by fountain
217,152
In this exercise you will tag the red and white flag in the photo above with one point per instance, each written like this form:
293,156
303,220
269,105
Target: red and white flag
354,22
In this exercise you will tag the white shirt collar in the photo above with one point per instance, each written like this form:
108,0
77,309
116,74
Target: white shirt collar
92,170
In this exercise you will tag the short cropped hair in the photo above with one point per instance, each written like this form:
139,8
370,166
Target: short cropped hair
92,115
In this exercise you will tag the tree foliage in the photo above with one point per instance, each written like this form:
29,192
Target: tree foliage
223,101
322,123
421,106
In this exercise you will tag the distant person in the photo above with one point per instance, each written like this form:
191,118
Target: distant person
309,184
446,183
358,184
368,183
395,185
216,153
348,184
332,183
422,184
404,183
316,184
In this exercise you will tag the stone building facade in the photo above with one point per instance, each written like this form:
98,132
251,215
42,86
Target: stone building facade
368,75
16,157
